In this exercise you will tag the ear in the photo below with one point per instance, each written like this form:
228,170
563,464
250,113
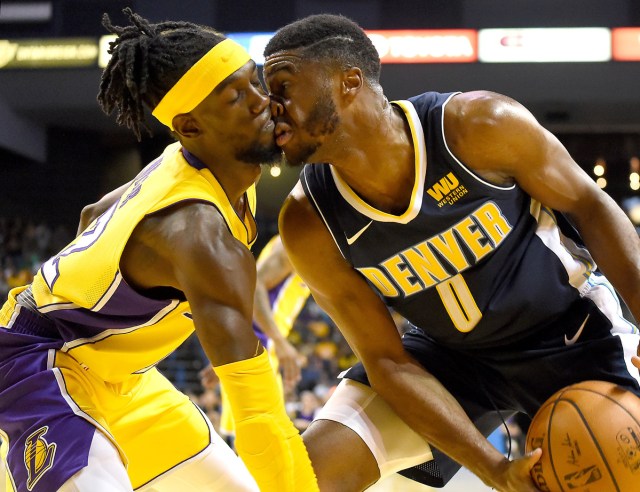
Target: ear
352,81
185,125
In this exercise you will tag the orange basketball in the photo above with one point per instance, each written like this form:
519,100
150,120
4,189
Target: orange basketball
589,434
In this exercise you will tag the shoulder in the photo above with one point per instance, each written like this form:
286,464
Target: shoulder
301,228
197,216
182,245
482,109
491,133
191,229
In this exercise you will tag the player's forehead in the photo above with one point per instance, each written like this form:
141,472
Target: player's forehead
283,62
247,71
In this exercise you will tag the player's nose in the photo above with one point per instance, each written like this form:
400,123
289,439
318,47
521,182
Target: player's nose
277,109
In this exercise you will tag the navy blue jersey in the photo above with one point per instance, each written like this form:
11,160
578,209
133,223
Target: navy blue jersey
472,263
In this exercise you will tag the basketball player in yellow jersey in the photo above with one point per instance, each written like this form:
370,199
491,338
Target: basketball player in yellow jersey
82,406
280,296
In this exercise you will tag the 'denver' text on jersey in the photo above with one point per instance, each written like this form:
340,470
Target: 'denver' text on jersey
467,258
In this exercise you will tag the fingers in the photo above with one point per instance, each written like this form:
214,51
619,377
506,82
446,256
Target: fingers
528,461
534,456
290,371
208,377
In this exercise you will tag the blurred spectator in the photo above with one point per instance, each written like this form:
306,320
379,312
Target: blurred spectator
24,246
305,410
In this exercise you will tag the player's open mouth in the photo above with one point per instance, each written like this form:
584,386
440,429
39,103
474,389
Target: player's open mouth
283,134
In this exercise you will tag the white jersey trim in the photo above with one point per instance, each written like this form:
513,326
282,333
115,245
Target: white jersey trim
465,168
121,331
576,261
319,209
420,168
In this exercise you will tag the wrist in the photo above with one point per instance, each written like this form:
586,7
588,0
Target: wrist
251,387
280,341
490,471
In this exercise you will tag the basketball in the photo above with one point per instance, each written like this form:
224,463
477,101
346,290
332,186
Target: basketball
589,434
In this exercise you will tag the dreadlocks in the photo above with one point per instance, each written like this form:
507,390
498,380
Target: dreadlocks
146,61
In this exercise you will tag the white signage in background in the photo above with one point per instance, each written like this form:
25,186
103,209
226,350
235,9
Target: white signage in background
426,46
580,44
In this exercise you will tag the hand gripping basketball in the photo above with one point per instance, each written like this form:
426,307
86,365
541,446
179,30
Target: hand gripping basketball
590,438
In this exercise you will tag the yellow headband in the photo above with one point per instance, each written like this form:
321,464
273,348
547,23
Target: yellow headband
197,83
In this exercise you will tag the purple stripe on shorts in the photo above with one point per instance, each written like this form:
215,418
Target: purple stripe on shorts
48,443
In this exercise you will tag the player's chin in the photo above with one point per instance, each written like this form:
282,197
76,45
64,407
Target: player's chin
291,159
298,156
272,154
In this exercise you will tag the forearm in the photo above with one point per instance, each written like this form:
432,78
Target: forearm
430,410
613,242
266,439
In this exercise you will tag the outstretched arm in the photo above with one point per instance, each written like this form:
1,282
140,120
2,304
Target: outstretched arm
413,393
188,247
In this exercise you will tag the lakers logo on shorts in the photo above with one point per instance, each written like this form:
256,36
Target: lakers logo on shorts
38,456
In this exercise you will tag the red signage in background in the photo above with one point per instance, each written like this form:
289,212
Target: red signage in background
426,46
626,44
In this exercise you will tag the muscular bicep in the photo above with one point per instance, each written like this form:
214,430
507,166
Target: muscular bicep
496,136
336,286
502,141
189,248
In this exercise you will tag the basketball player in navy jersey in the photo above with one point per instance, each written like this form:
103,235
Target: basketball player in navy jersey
82,406
456,210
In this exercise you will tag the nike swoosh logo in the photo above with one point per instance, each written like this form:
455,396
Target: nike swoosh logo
574,338
354,238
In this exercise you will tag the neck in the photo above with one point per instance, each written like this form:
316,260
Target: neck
236,182
235,177
374,154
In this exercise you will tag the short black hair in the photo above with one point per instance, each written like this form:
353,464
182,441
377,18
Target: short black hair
146,62
329,37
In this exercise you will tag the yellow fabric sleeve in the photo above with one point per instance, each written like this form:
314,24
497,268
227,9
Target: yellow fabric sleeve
266,439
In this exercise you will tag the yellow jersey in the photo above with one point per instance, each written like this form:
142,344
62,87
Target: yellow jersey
109,328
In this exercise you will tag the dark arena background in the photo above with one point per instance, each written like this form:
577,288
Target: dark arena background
574,63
